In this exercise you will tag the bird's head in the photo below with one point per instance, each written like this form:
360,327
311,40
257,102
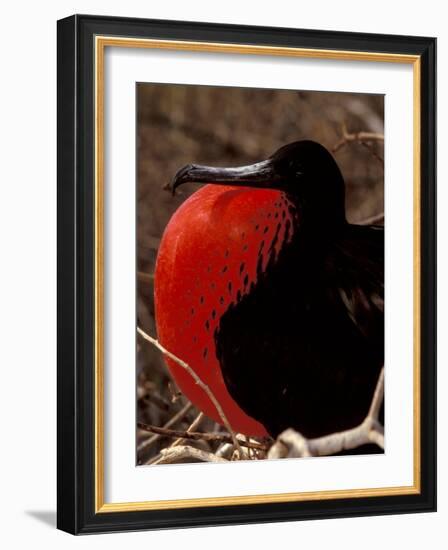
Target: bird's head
304,170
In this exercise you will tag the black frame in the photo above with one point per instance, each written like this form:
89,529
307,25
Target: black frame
75,475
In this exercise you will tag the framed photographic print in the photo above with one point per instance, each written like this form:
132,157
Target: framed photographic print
246,274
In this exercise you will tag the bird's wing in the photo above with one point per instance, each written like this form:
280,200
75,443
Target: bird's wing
358,267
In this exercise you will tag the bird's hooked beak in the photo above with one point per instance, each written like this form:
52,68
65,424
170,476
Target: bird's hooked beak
261,174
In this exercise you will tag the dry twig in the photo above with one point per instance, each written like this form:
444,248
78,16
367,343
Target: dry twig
191,428
363,138
372,151
198,381
145,277
373,220
171,455
204,436
360,137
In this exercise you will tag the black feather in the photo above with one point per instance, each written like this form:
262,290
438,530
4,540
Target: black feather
304,349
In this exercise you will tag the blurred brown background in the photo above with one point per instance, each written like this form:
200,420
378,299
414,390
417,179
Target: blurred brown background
178,124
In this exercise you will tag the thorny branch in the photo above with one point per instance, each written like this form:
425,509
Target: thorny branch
198,381
364,138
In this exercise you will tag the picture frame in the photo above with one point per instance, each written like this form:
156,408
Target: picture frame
82,195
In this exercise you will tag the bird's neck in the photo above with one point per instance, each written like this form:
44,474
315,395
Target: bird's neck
319,201
323,219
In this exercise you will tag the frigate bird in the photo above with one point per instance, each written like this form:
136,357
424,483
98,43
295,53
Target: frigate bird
271,296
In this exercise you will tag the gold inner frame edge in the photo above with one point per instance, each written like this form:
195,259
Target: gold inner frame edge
101,42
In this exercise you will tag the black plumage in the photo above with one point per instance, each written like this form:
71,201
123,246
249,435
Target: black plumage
304,348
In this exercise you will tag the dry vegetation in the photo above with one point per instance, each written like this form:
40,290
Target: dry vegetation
229,126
